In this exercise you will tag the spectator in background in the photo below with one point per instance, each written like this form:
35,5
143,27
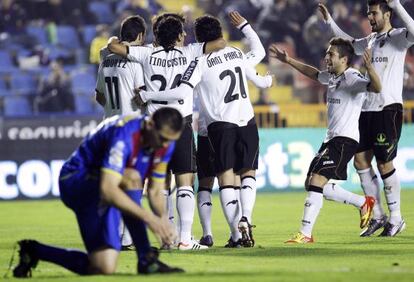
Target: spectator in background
98,43
315,35
188,24
13,23
55,93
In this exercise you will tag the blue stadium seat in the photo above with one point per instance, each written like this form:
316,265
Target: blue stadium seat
57,53
23,84
67,37
88,34
6,62
83,82
102,12
15,106
3,85
39,33
84,104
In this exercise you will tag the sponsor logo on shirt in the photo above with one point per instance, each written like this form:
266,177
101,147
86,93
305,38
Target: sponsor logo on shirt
328,162
334,101
379,59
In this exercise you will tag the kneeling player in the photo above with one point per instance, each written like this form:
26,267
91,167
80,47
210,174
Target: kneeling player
102,180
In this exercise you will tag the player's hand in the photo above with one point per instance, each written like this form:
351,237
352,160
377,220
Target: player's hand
393,3
367,57
273,78
236,19
137,99
324,11
113,39
275,52
162,229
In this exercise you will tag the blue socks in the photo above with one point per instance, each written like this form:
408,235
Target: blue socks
73,260
137,228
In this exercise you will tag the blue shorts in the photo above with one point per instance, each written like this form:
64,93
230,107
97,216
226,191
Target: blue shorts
98,223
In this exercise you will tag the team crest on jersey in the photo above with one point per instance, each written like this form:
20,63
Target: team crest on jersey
116,155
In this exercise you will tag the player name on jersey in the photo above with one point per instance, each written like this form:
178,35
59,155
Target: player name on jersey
111,63
159,62
211,62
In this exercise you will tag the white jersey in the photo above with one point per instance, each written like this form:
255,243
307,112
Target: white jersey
222,86
163,70
345,96
388,56
117,79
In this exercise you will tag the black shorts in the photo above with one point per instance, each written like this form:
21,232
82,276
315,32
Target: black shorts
234,147
333,157
247,148
381,131
205,158
183,159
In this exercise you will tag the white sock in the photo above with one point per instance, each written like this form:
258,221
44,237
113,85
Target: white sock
126,238
239,214
392,191
185,209
248,196
371,186
334,192
313,204
204,205
229,204
169,206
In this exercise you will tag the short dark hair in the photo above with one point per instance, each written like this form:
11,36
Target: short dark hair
383,5
168,31
131,27
207,28
168,117
345,48
156,21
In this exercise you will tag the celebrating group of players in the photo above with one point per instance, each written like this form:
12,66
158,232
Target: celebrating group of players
102,181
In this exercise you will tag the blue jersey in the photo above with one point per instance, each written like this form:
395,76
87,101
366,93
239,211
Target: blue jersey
115,145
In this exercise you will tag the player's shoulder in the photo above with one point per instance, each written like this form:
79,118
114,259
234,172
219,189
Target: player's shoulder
351,74
397,31
103,53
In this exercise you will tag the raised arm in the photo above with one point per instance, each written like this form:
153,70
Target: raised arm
257,51
403,14
283,56
331,23
375,84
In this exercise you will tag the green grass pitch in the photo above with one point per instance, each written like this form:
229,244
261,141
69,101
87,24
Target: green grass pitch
339,254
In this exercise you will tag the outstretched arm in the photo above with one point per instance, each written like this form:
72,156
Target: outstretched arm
332,24
169,95
283,56
405,17
257,51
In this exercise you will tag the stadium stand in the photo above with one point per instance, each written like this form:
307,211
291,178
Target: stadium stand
34,33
